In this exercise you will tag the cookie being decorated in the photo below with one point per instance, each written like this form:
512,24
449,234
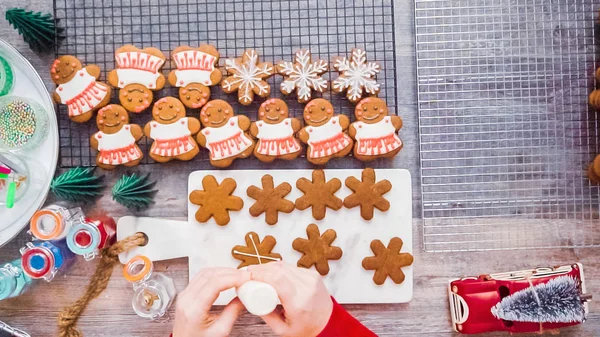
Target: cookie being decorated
368,194
303,75
78,87
256,251
317,250
116,141
357,76
172,131
325,133
319,194
375,131
387,261
195,72
270,199
224,134
137,75
275,132
248,77
216,200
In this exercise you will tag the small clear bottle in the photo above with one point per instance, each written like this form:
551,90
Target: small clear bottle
153,292
43,259
54,222
13,281
91,235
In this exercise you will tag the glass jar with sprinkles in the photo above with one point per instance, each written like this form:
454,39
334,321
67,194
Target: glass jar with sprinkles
23,123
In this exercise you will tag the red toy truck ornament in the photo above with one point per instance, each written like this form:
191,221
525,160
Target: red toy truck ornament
472,298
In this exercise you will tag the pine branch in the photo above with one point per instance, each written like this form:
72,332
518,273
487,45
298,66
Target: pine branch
77,184
134,191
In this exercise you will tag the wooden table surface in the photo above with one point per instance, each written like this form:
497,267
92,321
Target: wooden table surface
426,315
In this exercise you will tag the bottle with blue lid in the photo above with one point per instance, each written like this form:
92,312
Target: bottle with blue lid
42,260
13,280
88,237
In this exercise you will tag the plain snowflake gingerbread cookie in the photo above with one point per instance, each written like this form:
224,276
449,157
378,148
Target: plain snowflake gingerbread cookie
78,88
137,75
325,133
172,131
116,140
303,75
375,131
224,135
248,77
357,76
275,132
195,72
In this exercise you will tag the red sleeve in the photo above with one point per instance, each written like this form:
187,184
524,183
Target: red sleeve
342,324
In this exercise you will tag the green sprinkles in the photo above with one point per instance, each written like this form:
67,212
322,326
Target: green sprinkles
17,123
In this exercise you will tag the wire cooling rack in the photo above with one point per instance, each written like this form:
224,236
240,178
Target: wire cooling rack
506,133
276,29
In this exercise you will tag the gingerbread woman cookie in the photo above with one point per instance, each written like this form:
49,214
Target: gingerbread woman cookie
375,131
116,140
137,75
195,72
275,132
78,88
356,75
248,77
172,131
224,135
303,75
325,133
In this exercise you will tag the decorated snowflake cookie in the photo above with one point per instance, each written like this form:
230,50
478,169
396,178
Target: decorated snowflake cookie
248,77
356,75
303,75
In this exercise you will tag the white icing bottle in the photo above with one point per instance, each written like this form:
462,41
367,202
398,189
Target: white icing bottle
259,298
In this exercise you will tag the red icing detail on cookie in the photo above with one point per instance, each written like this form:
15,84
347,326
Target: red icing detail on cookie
101,121
329,111
181,83
207,132
150,85
60,88
182,122
121,82
260,125
360,126
333,122
232,123
127,127
287,123
81,73
310,129
99,136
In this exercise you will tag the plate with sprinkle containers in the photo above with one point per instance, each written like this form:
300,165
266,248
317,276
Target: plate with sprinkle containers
28,142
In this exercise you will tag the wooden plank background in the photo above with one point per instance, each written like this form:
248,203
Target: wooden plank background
427,314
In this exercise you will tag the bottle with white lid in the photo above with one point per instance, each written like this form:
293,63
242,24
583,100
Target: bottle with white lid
153,292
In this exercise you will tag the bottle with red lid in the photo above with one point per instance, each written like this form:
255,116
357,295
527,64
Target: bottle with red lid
43,259
88,237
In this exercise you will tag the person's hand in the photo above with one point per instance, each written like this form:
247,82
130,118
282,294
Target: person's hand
192,315
307,305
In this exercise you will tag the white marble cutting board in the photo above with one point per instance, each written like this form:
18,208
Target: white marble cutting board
207,244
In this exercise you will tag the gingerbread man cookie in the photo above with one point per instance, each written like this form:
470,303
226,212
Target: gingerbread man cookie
137,75
303,75
116,140
78,88
275,132
172,131
248,77
375,131
224,135
356,75
195,72
325,132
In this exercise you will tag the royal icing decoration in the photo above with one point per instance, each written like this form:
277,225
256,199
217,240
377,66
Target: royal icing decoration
256,253
193,66
376,139
356,75
303,75
247,76
136,67
276,139
171,140
82,93
117,148
327,139
226,141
